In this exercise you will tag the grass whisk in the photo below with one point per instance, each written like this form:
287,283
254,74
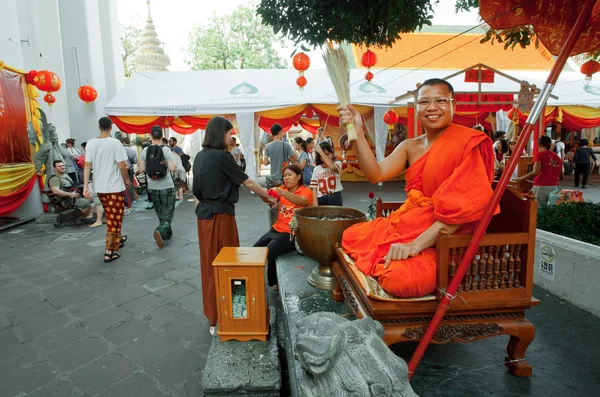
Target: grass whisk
337,67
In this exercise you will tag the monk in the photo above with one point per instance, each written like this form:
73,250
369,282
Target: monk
449,171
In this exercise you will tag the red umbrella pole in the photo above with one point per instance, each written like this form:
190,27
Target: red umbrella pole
582,20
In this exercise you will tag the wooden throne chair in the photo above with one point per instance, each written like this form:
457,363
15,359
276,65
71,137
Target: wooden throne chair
491,300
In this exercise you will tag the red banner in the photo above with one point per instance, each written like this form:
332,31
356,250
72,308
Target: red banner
484,104
14,142
472,76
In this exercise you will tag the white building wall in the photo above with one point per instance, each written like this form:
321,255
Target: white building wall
111,47
84,65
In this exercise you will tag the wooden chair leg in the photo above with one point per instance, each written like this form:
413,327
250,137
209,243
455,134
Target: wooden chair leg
517,345
336,294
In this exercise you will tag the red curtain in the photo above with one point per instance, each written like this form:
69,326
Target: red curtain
469,120
13,201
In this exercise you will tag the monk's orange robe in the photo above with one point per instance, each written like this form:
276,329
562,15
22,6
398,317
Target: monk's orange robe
451,183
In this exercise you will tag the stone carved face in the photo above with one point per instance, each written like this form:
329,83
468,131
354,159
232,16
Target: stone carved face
348,358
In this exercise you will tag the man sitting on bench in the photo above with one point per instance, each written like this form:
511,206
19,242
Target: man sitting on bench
61,185
449,171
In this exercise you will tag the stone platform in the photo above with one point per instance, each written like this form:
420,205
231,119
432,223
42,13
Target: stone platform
246,368
298,299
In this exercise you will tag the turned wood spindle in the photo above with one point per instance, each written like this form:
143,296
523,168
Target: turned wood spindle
517,265
461,286
511,265
496,267
482,262
489,267
503,267
473,273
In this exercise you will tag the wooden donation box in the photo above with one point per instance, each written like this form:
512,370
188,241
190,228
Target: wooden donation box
241,293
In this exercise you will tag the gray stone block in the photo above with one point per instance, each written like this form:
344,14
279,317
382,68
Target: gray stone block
90,306
248,368
150,346
106,320
79,353
7,338
176,291
126,295
164,315
23,301
143,304
175,366
137,385
61,388
41,325
182,274
193,302
13,351
29,313
157,284
102,373
48,280
193,328
126,332
61,337
71,298
25,380
22,360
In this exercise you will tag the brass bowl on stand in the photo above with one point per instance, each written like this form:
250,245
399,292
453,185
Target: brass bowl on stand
318,229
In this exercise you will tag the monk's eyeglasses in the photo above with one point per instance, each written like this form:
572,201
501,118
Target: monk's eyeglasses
440,101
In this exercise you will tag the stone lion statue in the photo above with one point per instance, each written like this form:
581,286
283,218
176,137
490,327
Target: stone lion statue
348,358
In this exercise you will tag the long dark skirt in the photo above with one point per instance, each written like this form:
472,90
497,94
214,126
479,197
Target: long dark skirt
214,234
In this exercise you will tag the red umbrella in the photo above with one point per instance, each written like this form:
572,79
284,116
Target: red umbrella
551,19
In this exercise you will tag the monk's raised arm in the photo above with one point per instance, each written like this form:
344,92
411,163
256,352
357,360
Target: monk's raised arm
375,172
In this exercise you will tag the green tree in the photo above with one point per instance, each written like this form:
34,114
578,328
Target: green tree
131,41
236,41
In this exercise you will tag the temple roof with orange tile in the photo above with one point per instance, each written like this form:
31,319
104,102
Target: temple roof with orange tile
455,52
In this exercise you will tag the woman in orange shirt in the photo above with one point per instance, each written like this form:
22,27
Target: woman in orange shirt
279,239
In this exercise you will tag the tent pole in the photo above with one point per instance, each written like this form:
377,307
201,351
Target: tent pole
537,110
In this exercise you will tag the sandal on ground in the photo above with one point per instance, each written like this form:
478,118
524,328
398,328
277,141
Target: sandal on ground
113,256
212,330
123,241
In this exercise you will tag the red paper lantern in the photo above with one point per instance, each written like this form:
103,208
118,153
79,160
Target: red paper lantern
589,68
301,81
49,99
48,81
390,117
301,62
309,113
368,59
87,93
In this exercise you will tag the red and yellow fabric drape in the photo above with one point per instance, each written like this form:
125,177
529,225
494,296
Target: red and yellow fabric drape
16,182
143,124
285,117
571,117
328,113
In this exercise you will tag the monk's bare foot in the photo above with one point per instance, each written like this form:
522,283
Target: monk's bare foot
96,224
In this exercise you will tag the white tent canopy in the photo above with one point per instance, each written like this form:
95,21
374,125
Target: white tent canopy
245,92
249,91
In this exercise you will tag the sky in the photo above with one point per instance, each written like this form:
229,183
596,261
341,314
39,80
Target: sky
174,19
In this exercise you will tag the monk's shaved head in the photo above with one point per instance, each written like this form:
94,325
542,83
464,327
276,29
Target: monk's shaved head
431,82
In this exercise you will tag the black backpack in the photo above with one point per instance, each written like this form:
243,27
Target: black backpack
185,160
156,165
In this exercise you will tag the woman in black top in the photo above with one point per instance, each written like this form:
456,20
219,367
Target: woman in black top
583,162
217,179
